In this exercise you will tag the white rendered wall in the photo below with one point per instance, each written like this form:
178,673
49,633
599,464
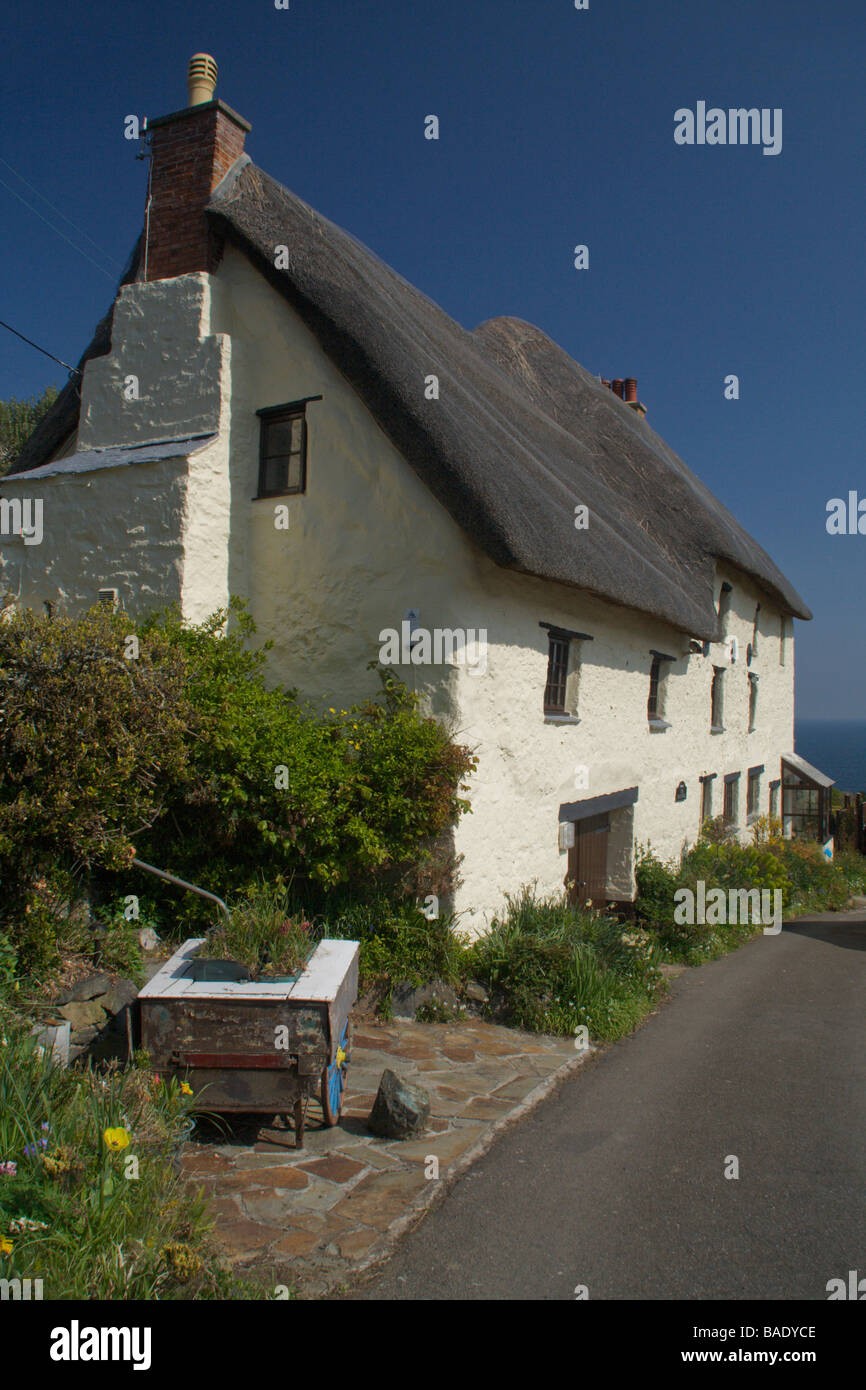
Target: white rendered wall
367,542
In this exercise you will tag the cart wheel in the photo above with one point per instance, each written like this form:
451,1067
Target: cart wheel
334,1081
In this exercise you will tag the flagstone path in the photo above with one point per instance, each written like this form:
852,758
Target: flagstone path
310,1218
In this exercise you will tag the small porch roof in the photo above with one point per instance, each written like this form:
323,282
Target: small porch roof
806,770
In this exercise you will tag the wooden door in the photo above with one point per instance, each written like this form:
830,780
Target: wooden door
587,861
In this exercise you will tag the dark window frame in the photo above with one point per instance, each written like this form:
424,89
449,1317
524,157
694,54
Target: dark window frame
556,684
717,699
279,415
730,804
559,658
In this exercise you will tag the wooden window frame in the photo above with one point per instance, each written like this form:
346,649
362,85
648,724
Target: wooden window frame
558,655
730,802
717,700
279,415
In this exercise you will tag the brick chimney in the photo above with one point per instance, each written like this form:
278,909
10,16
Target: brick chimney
626,390
190,151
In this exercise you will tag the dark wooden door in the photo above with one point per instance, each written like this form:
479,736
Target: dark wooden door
587,861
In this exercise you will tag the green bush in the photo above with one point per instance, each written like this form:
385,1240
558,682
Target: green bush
399,944
551,968
275,788
180,754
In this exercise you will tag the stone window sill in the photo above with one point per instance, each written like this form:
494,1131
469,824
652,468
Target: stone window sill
658,726
561,719
717,729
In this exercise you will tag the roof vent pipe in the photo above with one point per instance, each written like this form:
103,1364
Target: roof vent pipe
201,78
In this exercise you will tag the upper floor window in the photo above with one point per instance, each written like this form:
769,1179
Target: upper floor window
755,630
557,675
283,448
753,702
716,700
656,700
560,688
725,603
753,791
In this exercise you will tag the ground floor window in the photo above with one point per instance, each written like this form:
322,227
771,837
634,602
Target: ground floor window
730,809
707,797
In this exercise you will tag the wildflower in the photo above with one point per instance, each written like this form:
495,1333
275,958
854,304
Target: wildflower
332,711
9,1169
116,1139
5,1245
22,1224
45,1125
185,1088
182,1262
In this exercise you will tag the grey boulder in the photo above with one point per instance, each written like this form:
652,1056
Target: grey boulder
400,1109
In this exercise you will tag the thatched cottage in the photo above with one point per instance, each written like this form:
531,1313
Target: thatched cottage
268,410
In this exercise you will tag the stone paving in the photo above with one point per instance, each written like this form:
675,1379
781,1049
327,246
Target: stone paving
311,1218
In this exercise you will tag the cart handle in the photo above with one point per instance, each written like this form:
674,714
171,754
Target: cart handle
182,883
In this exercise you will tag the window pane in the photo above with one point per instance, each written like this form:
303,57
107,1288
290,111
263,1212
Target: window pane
283,436
274,474
557,671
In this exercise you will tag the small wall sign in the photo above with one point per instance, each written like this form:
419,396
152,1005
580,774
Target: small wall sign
680,793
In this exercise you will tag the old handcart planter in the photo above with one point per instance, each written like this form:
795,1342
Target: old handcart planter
254,1046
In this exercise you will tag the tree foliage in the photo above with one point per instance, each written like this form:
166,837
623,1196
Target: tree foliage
18,419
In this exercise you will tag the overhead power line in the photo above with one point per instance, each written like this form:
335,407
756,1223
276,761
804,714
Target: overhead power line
80,230
100,268
72,370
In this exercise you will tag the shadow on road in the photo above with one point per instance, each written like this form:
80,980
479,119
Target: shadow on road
847,934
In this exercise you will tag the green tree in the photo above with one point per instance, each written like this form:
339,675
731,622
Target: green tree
18,420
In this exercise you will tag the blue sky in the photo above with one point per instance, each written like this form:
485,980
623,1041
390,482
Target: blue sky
556,129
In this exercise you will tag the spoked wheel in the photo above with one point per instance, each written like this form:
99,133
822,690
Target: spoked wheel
334,1079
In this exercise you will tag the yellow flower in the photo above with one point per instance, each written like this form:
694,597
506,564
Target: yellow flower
332,711
5,1245
185,1088
116,1139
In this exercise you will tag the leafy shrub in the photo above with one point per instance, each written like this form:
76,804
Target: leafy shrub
398,944
276,788
656,884
551,968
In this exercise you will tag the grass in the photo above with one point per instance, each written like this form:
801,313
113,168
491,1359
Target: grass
90,1202
262,934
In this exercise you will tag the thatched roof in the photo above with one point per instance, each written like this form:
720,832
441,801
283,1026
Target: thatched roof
520,433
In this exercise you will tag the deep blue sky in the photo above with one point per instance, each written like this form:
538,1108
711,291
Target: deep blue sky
556,129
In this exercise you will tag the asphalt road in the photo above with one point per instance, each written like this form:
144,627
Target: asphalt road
617,1182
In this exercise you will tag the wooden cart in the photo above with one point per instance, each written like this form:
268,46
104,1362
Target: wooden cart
250,1046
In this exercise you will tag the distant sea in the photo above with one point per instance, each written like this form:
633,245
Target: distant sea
835,746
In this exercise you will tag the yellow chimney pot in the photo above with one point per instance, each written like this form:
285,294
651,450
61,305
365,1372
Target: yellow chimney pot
201,78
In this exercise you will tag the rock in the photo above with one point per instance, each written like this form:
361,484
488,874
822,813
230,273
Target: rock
82,1037
85,989
57,1037
406,1000
85,1015
476,992
148,939
400,1109
120,994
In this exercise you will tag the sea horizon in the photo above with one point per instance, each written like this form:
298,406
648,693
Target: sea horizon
836,747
